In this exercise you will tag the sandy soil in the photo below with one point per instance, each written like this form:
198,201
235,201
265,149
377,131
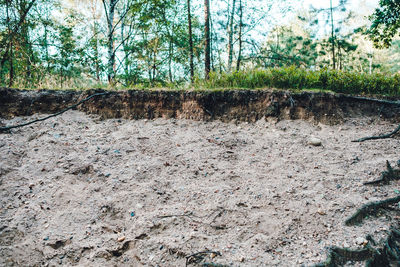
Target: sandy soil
76,190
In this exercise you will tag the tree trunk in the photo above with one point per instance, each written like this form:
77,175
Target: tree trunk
240,35
190,43
230,37
125,48
10,48
25,45
207,50
95,45
110,11
46,44
11,77
170,55
333,39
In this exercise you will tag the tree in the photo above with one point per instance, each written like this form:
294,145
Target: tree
385,23
109,9
289,45
240,38
190,43
334,29
16,13
207,47
230,34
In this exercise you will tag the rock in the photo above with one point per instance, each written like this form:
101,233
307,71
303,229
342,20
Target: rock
121,238
321,212
314,141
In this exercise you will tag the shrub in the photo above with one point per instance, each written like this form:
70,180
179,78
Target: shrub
300,79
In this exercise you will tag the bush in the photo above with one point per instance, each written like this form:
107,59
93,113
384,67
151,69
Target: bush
300,79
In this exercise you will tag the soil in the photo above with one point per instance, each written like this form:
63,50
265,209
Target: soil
78,190
223,105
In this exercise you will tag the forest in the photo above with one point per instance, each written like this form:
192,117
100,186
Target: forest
344,46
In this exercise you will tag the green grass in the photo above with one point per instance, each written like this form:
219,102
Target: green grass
289,78
299,79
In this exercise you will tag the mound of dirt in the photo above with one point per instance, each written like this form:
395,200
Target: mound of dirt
76,190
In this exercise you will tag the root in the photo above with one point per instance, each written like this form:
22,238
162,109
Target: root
387,255
7,128
386,176
199,256
339,256
384,136
370,209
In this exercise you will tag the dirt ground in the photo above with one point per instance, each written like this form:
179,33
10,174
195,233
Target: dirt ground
76,190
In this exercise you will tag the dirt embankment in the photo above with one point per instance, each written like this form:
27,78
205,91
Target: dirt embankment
228,105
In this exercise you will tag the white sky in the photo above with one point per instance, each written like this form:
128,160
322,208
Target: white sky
325,3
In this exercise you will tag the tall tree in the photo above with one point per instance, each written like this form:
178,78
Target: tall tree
16,25
109,9
207,47
332,37
331,13
239,59
190,43
230,35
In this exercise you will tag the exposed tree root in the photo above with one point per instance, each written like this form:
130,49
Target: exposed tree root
197,257
370,209
386,176
384,136
339,256
373,100
387,255
7,128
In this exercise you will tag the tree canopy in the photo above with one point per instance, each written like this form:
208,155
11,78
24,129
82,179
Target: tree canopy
54,43
385,23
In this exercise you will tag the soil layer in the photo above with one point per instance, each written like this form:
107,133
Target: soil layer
225,105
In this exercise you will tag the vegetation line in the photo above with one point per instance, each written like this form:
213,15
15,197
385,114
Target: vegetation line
7,128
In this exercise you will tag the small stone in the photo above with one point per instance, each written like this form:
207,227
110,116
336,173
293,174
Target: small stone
314,141
213,255
321,212
121,238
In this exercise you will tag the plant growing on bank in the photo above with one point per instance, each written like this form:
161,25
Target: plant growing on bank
347,82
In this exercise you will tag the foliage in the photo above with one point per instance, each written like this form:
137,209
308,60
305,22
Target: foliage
385,23
348,82
56,44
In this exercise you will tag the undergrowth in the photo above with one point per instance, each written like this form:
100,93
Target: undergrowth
303,79
293,78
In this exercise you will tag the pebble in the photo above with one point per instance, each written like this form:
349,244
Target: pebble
314,141
121,238
321,212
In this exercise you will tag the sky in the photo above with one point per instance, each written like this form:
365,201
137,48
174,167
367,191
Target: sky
326,3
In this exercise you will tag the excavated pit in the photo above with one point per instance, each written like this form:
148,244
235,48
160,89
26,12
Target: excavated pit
231,172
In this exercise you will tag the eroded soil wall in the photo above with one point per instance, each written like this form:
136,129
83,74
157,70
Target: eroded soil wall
227,105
